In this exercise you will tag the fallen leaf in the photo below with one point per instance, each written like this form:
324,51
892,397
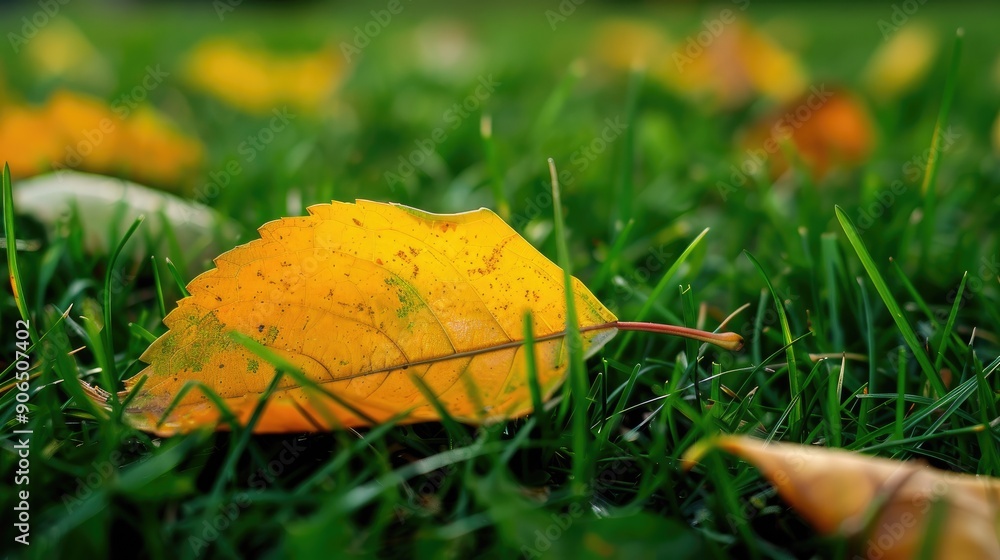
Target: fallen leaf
155,152
77,131
362,298
726,66
741,62
627,44
900,64
836,491
259,81
827,127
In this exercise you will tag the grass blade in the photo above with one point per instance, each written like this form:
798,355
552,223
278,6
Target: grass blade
574,342
496,173
794,379
181,285
661,286
14,271
890,302
158,284
107,335
927,187
950,324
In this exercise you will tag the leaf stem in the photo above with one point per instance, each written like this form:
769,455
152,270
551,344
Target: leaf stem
727,340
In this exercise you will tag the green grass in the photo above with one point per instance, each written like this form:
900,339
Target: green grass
600,466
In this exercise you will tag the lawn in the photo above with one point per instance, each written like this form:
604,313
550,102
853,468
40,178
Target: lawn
774,160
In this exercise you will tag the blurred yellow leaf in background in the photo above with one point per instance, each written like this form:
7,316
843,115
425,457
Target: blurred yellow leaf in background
726,61
259,81
73,130
900,65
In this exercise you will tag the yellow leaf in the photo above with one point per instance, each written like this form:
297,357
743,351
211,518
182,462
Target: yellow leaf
26,140
837,490
360,297
258,81
731,68
74,130
625,44
900,64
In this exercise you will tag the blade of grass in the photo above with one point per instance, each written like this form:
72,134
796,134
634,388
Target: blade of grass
532,371
900,394
794,376
181,285
577,370
447,420
950,324
890,302
107,331
158,285
611,264
493,161
828,253
658,290
614,420
554,103
141,333
12,265
869,328
625,160
927,187
835,386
